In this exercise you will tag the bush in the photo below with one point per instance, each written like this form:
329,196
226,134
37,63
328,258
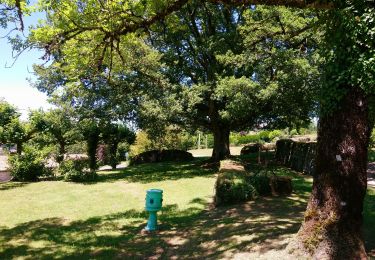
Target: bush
264,135
246,139
232,187
293,132
261,182
260,137
275,134
28,166
122,149
75,170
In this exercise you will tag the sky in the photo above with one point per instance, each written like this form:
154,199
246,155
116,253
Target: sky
15,87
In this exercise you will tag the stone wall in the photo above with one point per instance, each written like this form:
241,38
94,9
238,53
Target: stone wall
161,156
299,156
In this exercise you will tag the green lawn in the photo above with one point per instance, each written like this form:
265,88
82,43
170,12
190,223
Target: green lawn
105,219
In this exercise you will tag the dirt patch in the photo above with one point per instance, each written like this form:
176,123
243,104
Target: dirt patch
229,165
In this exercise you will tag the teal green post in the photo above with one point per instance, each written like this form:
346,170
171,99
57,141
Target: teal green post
152,220
154,201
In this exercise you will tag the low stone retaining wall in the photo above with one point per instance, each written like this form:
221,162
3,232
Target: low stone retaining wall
299,156
162,156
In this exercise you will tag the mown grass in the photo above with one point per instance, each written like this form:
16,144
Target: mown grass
104,220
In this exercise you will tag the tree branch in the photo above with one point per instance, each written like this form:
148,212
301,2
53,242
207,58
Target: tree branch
316,4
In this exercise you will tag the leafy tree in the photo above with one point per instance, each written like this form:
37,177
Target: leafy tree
202,46
7,113
12,11
334,214
12,129
61,127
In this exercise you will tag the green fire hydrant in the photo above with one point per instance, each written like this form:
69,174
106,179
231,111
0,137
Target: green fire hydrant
154,201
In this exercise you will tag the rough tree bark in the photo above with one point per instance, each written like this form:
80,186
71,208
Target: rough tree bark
221,142
333,219
112,153
60,156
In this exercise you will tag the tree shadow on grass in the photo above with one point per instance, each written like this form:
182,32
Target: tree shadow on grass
153,172
190,233
11,185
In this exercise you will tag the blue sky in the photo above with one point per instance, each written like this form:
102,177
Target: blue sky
14,86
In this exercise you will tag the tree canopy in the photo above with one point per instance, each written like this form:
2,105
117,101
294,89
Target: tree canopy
91,39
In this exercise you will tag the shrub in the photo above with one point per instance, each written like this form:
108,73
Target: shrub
293,132
246,139
28,166
264,135
122,150
261,182
275,134
75,170
232,187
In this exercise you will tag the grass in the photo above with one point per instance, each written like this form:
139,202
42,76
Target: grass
104,220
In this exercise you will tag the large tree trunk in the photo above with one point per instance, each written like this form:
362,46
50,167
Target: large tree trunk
333,219
60,156
221,143
92,141
112,155
19,148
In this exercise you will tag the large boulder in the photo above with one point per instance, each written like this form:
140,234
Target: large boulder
250,148
298,155
232,185
281,185
161,156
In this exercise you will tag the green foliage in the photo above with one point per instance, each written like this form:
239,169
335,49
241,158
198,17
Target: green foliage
122,150
264,135
372,138
76,171
112,135
293,132
259,137
29,166
91,134
252,138
232,187
58,127
170,138
350,33
274,134
12,129
77,148
261,183
7,113
142,144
